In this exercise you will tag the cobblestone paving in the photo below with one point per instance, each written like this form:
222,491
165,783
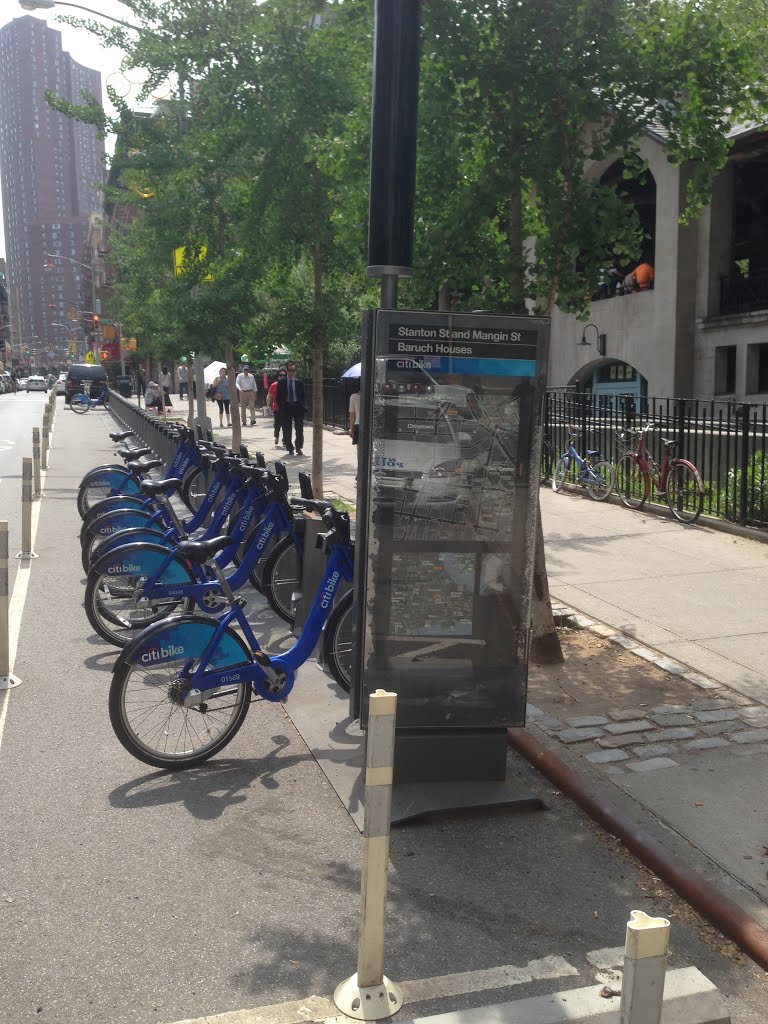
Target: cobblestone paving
649,739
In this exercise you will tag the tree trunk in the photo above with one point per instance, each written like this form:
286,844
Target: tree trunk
545,643
234,398
444,299
317,375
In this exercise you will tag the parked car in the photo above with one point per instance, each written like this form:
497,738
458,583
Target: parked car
36,383
22,383
84,379
62,379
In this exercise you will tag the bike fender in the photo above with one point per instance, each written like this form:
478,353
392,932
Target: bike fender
145,535
122,519
116,480
181,638
143,560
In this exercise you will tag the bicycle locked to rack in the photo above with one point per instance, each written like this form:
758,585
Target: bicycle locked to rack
593,471
182,688
677,480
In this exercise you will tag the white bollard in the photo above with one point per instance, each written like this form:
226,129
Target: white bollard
368,994
645,966
46,442
26,510
36,460
7,681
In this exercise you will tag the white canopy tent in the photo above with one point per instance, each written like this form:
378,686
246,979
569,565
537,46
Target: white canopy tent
211,371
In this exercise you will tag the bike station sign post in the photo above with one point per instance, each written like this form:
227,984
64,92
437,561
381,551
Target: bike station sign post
446,532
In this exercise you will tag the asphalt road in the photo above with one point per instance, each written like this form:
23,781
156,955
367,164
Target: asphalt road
133,895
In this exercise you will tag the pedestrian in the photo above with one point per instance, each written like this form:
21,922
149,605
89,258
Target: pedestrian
290,399
641,278
165,383
183,377
221,396
246,390
153,396
274,407
354,423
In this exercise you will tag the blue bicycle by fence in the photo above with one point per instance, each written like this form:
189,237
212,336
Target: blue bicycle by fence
182,688
593,472
82,403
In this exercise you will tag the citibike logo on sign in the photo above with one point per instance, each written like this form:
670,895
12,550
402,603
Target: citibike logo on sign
162,653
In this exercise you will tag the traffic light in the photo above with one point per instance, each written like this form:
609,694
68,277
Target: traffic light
96,319
104,355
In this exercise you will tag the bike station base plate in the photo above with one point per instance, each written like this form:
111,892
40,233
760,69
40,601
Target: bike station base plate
8,682
320,712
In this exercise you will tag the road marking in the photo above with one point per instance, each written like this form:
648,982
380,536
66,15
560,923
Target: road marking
16,607
322,1008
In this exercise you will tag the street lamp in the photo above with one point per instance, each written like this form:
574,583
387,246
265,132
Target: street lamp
47,5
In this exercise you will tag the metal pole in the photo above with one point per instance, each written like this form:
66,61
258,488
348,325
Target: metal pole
36,459
368,994
26,510
645,965
7,681
202,419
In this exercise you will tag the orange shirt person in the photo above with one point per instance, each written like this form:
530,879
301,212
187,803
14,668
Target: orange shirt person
643,276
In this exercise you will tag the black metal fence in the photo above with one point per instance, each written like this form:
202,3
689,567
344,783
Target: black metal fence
727,441
336,394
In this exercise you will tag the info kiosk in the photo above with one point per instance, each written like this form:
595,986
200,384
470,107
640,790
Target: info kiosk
446,527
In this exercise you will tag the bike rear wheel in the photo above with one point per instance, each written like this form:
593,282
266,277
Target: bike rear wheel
80,404
685,494
631,482
599,480
566,472
156,728
339,641
282,578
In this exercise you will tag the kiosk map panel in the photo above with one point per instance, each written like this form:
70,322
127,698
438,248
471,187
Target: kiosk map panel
451,406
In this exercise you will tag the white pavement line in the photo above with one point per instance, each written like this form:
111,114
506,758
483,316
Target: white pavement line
320,1008
16,608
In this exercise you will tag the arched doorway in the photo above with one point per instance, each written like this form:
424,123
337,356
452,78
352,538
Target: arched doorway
607,379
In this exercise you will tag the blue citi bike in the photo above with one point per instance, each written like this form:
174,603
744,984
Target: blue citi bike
82,403
181,689
135,584
592,472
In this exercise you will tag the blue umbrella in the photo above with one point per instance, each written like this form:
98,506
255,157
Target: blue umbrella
353,371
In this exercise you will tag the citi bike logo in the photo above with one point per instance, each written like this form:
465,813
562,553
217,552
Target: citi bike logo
184,466
161,653
123,569
247,516
263,540
328,590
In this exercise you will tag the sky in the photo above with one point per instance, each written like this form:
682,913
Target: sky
81,45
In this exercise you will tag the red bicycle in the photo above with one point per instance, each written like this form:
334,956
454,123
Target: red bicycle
676,480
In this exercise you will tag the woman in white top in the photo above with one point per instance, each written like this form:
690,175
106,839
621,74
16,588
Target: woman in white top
354,422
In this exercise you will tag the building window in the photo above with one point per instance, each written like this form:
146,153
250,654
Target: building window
757,369
725,369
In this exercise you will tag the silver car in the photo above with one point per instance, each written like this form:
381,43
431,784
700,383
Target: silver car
36,383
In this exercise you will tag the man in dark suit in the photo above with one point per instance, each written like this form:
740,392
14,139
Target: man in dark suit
290,401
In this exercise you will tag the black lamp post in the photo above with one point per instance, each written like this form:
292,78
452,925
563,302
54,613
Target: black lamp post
600,339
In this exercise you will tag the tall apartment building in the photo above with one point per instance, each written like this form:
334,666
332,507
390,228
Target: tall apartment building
51,167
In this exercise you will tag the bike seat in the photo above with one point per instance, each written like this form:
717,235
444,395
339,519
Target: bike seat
153,487
574,430
120,435
593,451
202,550
133,453
144,467
668,443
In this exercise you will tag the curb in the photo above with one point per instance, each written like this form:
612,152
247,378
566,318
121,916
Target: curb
748,934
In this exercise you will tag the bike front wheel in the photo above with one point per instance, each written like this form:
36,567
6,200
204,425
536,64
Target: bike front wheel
566,472
599,480
149,718
685,493
281,578
631,482
339,641
80,404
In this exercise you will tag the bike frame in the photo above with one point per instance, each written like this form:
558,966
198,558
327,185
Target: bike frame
339,568
585,467
122,480
655,474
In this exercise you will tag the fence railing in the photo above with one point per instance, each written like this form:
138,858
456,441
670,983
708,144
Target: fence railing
336,395
727,441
